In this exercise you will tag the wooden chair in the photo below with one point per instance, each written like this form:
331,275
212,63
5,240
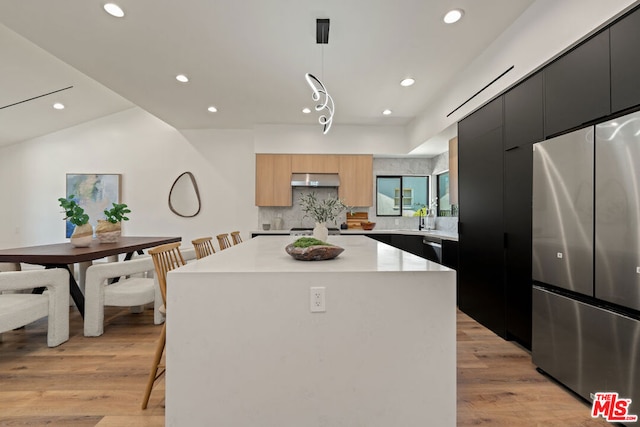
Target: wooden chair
235,237
165,258
203,247
223,241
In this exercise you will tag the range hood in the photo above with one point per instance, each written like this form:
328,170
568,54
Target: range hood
315,180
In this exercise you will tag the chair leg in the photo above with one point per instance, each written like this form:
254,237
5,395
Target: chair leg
153,374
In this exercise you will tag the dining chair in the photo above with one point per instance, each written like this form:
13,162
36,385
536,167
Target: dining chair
203,247
235,237
132,290
165,258
223,241
21,309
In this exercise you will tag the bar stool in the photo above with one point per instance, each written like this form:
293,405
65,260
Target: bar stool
165,258
203,247
235,237
223,241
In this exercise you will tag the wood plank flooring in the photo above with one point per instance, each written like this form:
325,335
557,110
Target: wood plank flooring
100,381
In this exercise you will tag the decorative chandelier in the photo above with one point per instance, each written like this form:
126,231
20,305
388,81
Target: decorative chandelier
320,93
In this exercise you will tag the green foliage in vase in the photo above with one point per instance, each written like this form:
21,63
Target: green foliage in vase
305,242
72,211
117,213
321,211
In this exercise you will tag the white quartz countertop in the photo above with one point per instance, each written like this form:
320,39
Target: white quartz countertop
441,234
267,254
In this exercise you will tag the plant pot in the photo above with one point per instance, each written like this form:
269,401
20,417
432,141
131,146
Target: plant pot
82,236
320,231
108,232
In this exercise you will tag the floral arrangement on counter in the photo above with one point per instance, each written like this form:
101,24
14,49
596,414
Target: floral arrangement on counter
321,211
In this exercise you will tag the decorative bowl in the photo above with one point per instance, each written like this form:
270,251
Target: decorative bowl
314,253
367,225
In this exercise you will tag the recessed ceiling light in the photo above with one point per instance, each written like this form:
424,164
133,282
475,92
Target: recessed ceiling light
306,110
407,82
453,16
114,10
212,109
58,106
387,112
182,78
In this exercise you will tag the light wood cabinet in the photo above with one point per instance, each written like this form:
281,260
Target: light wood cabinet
315,163
356,180
273,180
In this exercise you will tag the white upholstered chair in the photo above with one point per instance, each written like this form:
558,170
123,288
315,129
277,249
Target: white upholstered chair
20,309
132,290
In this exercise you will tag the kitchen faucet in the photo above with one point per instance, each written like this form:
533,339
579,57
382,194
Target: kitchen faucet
420,222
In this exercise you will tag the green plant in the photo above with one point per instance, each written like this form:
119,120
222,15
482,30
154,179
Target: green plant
117,213
321,211
305,242
73,212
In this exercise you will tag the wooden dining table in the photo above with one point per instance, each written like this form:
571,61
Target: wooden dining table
62,255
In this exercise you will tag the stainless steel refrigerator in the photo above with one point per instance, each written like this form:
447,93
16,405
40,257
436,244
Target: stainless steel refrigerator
586,259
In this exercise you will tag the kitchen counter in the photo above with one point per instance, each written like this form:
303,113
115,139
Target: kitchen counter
437,234
244,348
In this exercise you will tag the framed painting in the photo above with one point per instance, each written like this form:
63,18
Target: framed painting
94,193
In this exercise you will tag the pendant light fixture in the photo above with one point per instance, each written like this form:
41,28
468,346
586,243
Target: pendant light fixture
320,94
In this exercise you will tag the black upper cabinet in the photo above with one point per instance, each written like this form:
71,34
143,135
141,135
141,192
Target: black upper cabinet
524,113
577,86
481,121
625,62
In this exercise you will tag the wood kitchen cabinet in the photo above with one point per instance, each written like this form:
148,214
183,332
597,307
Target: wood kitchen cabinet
356,180
315,163
273,180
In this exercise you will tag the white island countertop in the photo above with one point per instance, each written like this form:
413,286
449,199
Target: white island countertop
245,349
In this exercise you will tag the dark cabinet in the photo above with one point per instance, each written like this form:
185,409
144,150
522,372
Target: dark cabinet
518,172
577,86
524,113
480,244
625,62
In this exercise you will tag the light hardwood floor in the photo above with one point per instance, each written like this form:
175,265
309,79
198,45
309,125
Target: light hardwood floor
100,381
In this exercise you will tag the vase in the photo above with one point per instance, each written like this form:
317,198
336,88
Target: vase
82,236
320,231
108,232
431,221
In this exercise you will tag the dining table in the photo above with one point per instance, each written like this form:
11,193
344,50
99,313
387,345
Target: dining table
64,255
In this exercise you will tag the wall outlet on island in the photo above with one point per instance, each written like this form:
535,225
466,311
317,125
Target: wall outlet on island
316,299
397,221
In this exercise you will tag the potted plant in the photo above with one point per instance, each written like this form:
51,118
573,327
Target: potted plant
321,212
83,232
109,229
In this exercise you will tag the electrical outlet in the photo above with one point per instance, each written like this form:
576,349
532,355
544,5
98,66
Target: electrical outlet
638,270
316,299
559,255
397,221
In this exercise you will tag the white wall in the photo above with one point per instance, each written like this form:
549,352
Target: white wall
341,139
541,33
150,155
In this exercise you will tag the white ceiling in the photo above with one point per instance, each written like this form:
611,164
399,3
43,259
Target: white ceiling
246,57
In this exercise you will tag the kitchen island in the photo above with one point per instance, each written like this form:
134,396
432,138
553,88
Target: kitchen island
245,349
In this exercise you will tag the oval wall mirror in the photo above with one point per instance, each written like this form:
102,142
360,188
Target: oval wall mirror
184,197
